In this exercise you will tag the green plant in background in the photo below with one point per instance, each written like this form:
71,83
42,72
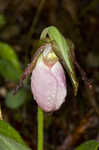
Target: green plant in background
89,145
15,102
2,21
10,67
10,138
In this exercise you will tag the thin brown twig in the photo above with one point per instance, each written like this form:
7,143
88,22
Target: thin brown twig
74,137
86,122
88,85
1,117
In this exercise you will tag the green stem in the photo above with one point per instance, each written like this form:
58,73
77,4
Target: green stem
40,129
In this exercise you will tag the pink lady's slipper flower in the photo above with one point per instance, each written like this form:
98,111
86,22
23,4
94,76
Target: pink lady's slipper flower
48,81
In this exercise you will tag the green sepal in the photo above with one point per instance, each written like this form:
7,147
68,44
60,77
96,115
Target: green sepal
63,51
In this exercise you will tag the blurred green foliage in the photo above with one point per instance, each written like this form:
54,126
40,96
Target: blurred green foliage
89,145
10,138
10,132
9,144
9,64
2,20
8,71
15,101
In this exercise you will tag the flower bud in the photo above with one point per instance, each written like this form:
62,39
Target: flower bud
48,81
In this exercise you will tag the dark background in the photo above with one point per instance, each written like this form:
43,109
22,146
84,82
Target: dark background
22,22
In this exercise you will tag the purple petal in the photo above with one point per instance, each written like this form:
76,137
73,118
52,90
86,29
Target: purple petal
48,86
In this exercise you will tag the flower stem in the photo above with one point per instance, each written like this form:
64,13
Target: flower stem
40,129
